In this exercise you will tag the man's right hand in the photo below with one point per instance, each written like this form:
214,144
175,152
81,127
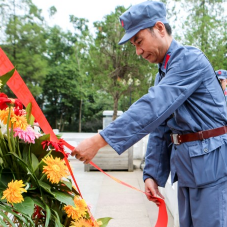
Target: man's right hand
152,191
88,148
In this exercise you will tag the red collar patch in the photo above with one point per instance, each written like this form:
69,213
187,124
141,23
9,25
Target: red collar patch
122,23
167,59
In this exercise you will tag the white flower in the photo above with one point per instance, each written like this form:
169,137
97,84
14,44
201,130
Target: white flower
3,128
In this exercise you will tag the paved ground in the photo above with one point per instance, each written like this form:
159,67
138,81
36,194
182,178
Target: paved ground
127,207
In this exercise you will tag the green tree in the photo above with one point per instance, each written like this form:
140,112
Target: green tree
84,88
116,70
60,88
205,28
25,43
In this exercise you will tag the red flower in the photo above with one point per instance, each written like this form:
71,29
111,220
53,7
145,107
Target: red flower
45,143
39,213
18,104
57,146
3,101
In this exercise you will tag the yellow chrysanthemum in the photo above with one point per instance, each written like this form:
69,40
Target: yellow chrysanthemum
73,212
17,121
55,169
81,223
78,211
13,193
81,204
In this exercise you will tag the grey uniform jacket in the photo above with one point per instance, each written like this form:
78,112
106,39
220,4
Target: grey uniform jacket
186,98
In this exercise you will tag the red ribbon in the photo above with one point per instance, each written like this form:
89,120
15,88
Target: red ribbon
20,89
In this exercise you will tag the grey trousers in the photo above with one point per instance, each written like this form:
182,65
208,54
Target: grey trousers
203,207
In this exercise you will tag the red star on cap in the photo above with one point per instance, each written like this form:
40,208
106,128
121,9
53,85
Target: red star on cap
219,72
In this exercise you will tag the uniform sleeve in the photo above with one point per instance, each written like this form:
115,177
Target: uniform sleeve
157,159
183,77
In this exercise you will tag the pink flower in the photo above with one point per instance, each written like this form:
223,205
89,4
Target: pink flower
28,135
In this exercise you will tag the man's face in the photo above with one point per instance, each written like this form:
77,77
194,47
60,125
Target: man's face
150,45
223,83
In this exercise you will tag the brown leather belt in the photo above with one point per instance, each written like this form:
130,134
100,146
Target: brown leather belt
182,138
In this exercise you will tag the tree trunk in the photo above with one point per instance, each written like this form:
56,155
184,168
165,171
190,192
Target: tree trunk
115,108
80,115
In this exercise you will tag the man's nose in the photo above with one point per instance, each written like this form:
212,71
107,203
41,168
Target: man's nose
139,51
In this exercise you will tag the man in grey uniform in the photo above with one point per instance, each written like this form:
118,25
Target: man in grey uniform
185,114
222,76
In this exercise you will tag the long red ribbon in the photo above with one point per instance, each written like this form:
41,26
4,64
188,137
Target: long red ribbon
20,89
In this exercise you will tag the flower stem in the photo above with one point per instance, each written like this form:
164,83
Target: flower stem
8,134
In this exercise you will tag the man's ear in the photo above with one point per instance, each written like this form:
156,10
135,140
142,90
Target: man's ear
160,27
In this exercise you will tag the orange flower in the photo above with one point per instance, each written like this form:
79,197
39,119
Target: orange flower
81,223
81,204
78,211
13,193
55,169
73,212
17,121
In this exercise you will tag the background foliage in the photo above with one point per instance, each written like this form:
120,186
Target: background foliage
75,76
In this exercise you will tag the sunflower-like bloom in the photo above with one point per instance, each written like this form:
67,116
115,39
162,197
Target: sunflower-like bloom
78,211
55,169
13,194
81,223
85,223
17,121
72,212
81,204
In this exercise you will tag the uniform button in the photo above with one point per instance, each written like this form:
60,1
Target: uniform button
205,150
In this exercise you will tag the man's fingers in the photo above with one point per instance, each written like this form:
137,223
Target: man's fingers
86,161
159,194
153,199
74,152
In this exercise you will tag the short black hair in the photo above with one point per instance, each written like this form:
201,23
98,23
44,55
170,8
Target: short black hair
168,29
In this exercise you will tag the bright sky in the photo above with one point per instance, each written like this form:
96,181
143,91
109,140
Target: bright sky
93,10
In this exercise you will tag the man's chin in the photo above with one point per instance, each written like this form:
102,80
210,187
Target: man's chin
151,61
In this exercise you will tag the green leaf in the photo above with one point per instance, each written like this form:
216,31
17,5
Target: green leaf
26,207
9,209
57,219
35,162
37,148
64,198
104,221
24,165
29,112
2,214
3,224
68,184
48,214
75,191
7,76
6,177
38,202
46,187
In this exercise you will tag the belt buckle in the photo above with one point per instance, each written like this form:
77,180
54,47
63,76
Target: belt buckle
175,139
